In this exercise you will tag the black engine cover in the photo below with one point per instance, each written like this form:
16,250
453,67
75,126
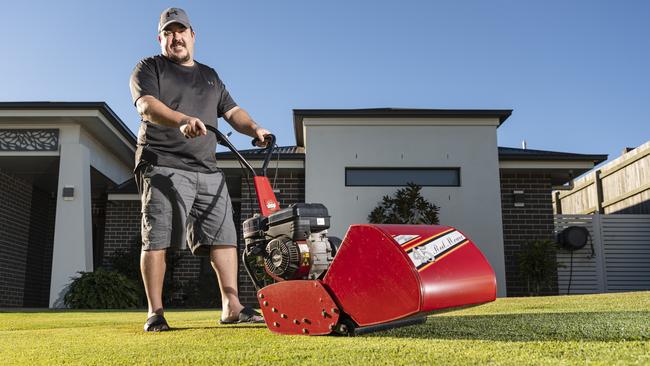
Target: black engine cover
298,221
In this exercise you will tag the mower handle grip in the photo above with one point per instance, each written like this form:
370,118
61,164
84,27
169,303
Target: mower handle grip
268,137
223,140
268,150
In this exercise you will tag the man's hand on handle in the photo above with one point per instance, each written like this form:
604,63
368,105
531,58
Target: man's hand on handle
193,127
260,132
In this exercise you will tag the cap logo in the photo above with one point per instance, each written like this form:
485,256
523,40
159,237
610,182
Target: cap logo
169,13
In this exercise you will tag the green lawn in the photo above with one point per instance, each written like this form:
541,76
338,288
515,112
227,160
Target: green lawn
594,329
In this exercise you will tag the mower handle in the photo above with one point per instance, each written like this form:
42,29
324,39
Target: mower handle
268,149
223,141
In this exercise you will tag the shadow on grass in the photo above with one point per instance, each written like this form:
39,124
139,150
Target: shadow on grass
569,326
222,327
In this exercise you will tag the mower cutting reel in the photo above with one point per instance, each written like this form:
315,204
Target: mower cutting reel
378,277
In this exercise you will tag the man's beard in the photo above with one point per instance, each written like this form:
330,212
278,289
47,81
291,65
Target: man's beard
179,60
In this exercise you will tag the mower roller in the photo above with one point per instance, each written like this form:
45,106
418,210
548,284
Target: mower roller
377,277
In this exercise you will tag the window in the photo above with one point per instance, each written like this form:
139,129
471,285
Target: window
381,177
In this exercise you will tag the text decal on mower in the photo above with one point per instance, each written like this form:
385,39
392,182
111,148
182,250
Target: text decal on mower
428,251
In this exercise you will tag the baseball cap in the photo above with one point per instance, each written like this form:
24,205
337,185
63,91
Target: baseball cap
173,15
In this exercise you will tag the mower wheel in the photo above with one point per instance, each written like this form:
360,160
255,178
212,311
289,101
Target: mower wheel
346,327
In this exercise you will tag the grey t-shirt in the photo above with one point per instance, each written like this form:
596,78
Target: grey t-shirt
195,91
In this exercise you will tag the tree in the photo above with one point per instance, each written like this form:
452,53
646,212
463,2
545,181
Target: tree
406,206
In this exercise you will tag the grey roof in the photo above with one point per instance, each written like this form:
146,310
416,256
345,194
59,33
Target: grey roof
286,152
511,153
299,114
101,106
505,153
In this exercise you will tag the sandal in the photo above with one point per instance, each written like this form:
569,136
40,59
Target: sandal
156,323
246,315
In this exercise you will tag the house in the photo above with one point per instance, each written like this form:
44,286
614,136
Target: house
347,159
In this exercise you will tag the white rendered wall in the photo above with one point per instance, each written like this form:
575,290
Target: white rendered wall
73,247
474,207
105,161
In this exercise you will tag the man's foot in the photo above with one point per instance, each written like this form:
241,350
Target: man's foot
156,323
246,315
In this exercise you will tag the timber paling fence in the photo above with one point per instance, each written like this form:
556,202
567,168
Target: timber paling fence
620,186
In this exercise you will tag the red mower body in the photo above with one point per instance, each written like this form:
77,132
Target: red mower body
382,274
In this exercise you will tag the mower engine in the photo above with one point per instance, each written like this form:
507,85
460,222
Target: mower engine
289,244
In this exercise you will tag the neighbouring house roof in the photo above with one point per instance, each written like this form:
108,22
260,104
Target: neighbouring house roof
102,107
300,114
505,153
285,152
511,153
561,167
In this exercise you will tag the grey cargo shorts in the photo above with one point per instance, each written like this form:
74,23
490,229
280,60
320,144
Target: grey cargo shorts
182,208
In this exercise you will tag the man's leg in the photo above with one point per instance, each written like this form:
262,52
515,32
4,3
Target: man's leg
224,262
165,192
214,228
152,266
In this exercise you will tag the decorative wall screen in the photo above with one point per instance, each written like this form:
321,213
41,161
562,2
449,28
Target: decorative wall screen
29,139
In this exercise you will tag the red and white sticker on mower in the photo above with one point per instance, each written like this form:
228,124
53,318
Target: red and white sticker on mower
401,239
428,251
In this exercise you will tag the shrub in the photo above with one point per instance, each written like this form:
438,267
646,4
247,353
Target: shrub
127,262
101,289
538,265
200,292
406,206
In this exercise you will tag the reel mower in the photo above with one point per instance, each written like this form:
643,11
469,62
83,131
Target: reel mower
377,277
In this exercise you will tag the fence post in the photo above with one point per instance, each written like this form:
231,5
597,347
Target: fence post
598,183
599,251
558,203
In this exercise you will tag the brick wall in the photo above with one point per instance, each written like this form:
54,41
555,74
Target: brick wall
291,185
39,252
98,209
16,198
524,224
26,240
122,231
121,227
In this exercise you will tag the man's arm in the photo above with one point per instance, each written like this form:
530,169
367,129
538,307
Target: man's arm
155,111
242,122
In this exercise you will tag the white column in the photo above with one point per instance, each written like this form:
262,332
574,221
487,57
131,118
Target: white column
73,247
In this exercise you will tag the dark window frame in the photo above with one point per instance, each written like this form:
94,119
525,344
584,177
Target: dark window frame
456,169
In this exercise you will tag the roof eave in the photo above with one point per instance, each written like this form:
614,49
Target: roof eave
101,106
300,114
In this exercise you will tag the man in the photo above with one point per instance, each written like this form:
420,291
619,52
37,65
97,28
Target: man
184,196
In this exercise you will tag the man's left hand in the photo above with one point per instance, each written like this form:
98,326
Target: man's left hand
260,133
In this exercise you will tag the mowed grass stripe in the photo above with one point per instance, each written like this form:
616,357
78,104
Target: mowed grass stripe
591,329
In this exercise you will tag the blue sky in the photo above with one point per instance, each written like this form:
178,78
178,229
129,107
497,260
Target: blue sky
576,73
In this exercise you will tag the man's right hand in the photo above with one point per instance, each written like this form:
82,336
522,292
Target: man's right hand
192,127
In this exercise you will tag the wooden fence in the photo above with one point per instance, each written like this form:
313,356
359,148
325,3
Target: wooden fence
621,186
615,259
